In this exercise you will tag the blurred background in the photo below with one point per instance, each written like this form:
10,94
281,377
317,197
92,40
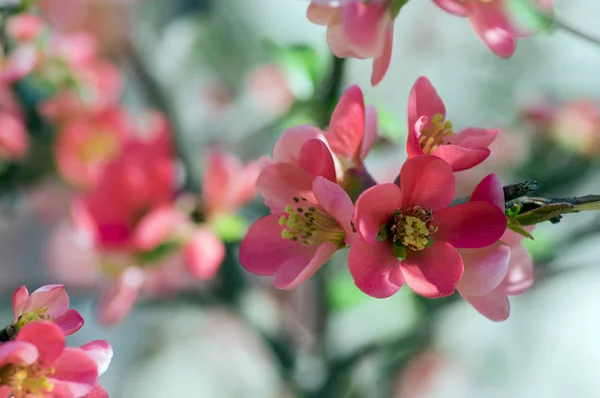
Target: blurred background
235,74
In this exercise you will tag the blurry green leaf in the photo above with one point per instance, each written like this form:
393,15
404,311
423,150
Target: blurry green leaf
397,6
303,67
152,256
342,293
528,15
515,226
544,213
390,125
229,227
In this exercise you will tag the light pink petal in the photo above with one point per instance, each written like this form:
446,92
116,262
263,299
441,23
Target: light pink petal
52,297
5,391
520,272
204,254
263,251
76,370
288,146
426,181
494,305
158,226
461,158
97,392
514,239
371,130
374,208
474,138
316,159
424,101
292,273
434,271
413,148
335,201
220,170
485,269
489,190
118,299
18,352
339,44
452,6
347,129
375,269
364,26
19,299
280,183
320,14
470,225
247,189
101,352
70,322
382,62
493,28
47,337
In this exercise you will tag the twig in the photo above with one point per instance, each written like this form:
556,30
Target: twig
568,28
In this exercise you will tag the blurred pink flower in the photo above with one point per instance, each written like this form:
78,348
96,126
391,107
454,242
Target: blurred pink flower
492,22
50,303
86,145
410,234
37,363
311,218
576,126
101,352
358,29
14,141
429,133
268,85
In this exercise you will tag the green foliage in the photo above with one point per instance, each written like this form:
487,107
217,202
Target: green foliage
528,15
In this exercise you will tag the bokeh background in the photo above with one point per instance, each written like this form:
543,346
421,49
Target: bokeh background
237,73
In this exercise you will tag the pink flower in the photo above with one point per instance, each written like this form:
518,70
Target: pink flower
350,136
311,219
497,271
86,145
429,133
227,183
409,234
577,126
357,29
14,141
37,363
101,352
491,22
50,303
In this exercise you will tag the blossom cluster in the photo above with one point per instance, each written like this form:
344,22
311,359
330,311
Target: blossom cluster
34,358
322,199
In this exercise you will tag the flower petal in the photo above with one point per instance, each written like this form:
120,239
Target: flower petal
375,269
423,101
280,183
335,201
364,26
76,370
382,62
371,130
19,298
426,181
292,273
339,44
485,269
502,42
101,352
316,159
494,305
53,297
18,352
158,226
461,158
470,225
263,251
413,148
374,208
474,138
347,129
489,190
204,254
70,322
117,299
47,337
97,392
288,146
320,14
520,272
452,6
434,271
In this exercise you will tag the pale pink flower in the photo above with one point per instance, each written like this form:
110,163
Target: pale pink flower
101,352
357,29
25,27
429,133
576,126
491,21
14,141
311,218
86,145
37,363
50,303
409,234
269,86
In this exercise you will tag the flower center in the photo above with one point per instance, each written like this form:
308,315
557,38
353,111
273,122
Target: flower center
99,146
37,315
26,380
310,225
435,134
412,228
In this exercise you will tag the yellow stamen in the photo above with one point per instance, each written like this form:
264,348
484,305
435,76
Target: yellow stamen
309,224
435,134
412,228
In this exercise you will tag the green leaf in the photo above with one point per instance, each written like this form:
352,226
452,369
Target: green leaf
399,251
396,7
515,226
544,213
528,16
152,256
229,227
342,292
